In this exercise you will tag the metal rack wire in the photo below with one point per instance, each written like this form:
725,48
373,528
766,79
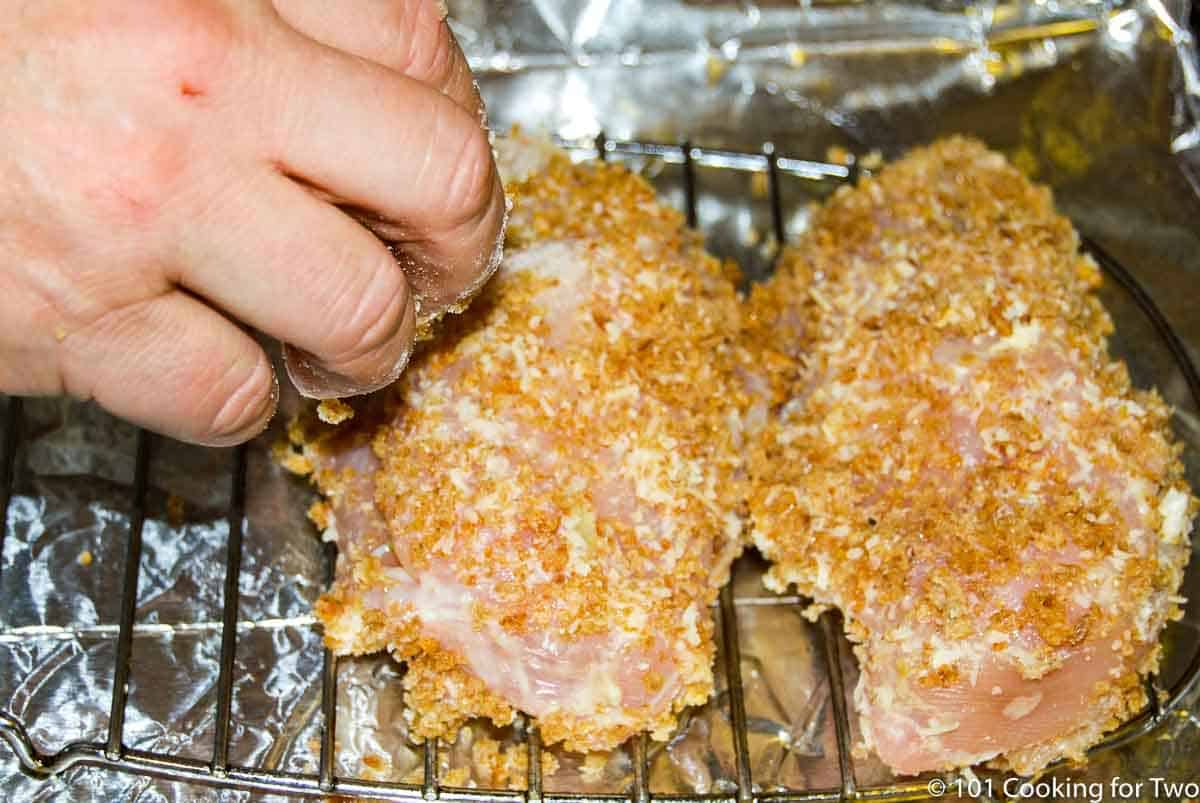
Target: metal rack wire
115,755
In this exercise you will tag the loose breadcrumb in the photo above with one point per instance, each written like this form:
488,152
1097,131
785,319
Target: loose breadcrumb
291,459
334,411
176,510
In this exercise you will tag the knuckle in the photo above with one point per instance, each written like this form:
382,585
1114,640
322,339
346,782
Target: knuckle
430,56
79,375
367,316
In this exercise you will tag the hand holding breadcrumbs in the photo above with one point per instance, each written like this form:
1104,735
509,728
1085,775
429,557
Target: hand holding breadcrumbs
174,173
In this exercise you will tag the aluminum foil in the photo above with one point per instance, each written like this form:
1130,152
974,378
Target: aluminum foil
1100,100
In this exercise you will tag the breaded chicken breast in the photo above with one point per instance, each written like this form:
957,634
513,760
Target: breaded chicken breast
537,516
957,464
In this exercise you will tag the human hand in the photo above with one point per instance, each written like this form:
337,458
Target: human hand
172,172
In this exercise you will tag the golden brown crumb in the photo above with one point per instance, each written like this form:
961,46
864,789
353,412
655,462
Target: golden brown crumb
759,184
176,510
838,155
457,776
319,514
715,68
334,411
945,294
291,460
376,767
499,766
504,449
594,764
872,161
958,464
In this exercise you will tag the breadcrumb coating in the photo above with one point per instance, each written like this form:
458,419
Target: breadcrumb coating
537,516
957,464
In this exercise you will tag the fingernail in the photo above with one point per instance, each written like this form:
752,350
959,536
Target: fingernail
435,293
316,381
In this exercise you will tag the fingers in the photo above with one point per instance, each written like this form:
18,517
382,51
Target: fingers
418,162
173,365
296,268
408,36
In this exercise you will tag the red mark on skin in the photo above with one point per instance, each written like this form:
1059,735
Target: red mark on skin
190,90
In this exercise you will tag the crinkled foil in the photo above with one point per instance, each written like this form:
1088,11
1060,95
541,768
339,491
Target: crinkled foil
1100,100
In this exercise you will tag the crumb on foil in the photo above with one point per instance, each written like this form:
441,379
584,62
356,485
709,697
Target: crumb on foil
176,510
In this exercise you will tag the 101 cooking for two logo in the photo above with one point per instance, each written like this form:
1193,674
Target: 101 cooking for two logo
1057,789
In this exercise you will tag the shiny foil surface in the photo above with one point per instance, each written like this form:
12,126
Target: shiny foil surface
1099,100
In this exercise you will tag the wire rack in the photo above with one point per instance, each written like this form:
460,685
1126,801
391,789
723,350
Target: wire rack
114,755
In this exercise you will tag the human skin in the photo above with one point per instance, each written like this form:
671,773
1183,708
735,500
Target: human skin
175,173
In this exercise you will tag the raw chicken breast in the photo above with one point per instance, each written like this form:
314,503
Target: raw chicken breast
957,464
538,515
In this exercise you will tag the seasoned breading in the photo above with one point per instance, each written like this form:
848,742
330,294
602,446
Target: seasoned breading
958,465
537,516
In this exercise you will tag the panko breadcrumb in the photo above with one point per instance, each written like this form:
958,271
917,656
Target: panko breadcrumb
957,464
537,516
334,411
